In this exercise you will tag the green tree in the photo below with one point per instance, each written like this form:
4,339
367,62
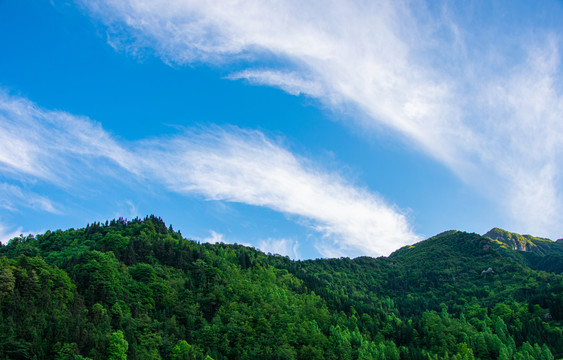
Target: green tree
546,353
117,346
182,351
7,279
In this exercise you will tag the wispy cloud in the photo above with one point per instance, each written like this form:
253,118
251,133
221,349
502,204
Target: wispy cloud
12,197
228,164
214,238
480,97
525,143
292,83
245,166
285,247
6,234
54,146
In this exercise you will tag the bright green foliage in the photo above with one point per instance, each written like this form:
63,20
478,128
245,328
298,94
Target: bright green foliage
138,290
117,346
182,351
536,253
524,242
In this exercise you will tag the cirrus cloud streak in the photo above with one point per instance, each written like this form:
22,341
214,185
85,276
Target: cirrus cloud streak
467,85
227,164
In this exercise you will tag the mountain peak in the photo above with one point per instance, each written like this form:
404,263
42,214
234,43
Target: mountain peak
520,242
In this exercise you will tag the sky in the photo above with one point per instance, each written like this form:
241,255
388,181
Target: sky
306,129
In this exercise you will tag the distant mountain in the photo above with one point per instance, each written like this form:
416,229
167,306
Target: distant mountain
534,252
138,290
540,246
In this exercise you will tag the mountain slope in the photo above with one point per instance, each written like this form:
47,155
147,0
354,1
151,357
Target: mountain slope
449,269
536,253
138,289
540,246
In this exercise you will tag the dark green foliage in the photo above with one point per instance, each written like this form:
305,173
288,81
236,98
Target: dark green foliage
138,290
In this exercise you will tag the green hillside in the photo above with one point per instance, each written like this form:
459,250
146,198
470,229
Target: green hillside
534,252
540,246
138,290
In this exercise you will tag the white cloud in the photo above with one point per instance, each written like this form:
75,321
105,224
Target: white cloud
530,145
482,98
227,164
133,211
292,83
214,238
244,166
285,247
53,145
8,232
12,197
6,235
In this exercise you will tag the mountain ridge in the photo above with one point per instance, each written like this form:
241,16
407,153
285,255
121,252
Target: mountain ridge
541,246
534,252
138,290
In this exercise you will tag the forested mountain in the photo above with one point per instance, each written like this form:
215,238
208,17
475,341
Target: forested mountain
540,246
138,290
536,253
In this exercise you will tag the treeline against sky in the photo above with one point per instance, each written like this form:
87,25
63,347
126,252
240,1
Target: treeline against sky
138,290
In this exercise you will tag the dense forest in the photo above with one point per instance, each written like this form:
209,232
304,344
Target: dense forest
138,290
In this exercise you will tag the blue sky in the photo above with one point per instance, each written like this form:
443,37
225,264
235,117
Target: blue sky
320,130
